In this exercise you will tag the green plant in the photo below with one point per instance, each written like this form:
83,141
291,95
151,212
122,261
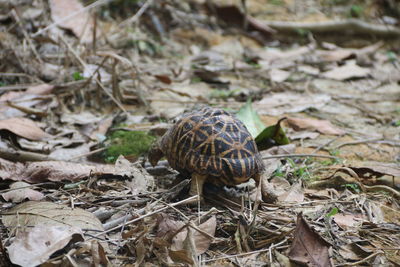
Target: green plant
356,11
128,143
353,187
299,171
333,211
77,76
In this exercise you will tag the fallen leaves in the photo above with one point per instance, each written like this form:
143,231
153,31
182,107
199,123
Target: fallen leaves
70,14
34,246
347,71
308,247
19,191
321,126
23,127
47,228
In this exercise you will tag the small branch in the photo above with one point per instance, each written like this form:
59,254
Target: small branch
147,215
353,25
300,155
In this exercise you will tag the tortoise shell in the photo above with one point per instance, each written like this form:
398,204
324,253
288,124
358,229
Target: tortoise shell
212,142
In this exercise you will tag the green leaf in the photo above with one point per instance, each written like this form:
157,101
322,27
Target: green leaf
272,136
250,118
333,211
77,76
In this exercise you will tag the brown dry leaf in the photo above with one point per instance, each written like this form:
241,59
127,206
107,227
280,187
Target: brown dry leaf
23,127
58,170
283,103
368,168
295,194
163,78
278,76
347,252
32,213
33,246
80,24
141,181
308,247
202,242
168,103
36,172
20,192
346,221
347,71
322,126
180,256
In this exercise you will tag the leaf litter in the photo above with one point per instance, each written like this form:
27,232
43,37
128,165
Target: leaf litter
71,75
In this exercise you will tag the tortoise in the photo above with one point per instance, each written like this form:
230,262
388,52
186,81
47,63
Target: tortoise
212,145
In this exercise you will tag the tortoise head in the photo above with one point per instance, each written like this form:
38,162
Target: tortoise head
155,154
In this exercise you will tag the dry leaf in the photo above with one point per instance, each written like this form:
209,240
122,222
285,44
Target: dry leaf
33,246
295,194
347,71
23,127
36,172
322,126
18,195
368,168
33,213
278,76
281,103
140,182
346,221
81,24
308,248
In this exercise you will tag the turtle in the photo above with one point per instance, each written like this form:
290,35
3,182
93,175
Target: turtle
212,145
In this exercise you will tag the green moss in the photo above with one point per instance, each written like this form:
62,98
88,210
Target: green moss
126,143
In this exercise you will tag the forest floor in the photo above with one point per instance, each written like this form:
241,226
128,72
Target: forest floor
80,86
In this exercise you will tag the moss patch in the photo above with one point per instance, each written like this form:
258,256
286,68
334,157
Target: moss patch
129,144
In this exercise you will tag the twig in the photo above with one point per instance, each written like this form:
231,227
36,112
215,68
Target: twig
95,78
95,4
88,154
17,18
357,263
300,155
147,215
136,16
17,87
20,155
354,25
247,253
372,140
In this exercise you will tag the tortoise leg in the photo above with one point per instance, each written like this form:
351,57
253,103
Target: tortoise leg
196,186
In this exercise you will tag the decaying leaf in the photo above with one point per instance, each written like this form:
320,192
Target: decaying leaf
140,181
35,172
23,127
374,168
47,227
294,194
308,247
322,126
34,246
168,227
283,103
21,191
33,213
81,24
347,71
346,221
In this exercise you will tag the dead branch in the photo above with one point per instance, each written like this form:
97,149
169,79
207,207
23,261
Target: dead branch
349,25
